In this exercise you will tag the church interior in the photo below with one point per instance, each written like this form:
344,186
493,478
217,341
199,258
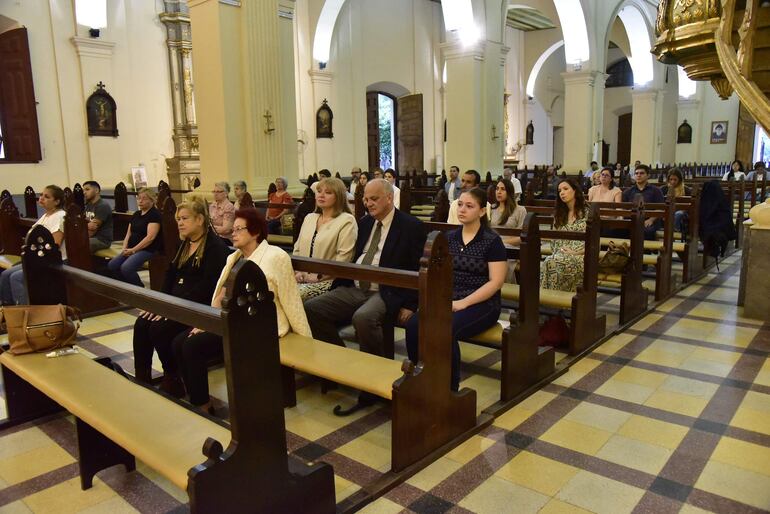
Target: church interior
654,395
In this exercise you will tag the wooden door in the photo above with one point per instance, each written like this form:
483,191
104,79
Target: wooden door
373,129
409,146
605,153
624,138
17,99
744,146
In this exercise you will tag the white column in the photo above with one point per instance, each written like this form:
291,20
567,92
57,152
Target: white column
644,127
324,148
579,118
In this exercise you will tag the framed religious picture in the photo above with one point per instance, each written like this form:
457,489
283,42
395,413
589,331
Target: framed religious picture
100,112
684,133
718,132
323,121
139,177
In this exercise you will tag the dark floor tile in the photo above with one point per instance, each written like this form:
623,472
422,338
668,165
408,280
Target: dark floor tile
670,489
429,504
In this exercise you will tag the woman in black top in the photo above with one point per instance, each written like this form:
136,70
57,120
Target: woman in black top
192,276
479,263
141,242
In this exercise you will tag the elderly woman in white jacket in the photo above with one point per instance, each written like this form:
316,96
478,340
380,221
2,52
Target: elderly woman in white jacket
194,349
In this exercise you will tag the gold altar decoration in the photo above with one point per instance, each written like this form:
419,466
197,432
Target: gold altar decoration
725,42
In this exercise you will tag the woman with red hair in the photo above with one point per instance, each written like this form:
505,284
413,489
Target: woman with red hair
195,348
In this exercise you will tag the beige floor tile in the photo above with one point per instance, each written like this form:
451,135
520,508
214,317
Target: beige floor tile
538,473
689,509
653,431
576,436
382,506
500,496
115,505
121,342
722,356
118,319
365,452
611,346
763,377
598,416
559,507
735,483
624,391
635,454
470,449
742,454
639,376
93,325
162,482
756,401
22,442
752,419
30,464
708,367
537,400
721,293
646,322
661,357
513,418
677,402
670,304
712,332
434,474
341,494
599,494
305,426
67,497
17,507
690,387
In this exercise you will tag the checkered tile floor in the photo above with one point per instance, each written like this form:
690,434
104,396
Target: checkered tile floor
671,415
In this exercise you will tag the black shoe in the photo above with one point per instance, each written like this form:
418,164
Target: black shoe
364,400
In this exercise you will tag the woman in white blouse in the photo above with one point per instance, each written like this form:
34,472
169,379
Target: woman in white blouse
390,176
195,348
328,234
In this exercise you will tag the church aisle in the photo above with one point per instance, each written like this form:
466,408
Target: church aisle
671,415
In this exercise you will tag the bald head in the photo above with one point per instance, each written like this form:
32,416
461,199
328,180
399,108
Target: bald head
378,198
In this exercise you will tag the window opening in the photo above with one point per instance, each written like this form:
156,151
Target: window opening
386,108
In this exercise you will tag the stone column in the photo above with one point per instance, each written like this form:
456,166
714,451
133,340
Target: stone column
646,108
580,98
184,167
322,150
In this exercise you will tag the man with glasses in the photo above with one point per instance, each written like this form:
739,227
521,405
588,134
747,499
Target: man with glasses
650,193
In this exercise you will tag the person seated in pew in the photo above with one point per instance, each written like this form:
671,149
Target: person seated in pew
322,174
758,172
355,173
563,269
192,276
605,191
221,212
12,289
141,242
453,186
551,183
480,264
508,174
675,188
239,189
736,171
275,214
505,211
390,176
99,216
470,179
650,194
377,172
194,348
329,233
389,238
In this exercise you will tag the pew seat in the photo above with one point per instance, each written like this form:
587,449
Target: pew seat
280,240
654,246
363,371
648,259
161,433
7,261
548,297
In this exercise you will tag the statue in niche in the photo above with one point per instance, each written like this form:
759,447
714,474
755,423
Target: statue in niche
100,112
684,133
530,134
323,121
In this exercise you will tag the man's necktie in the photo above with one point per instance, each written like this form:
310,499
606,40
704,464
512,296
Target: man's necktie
370,252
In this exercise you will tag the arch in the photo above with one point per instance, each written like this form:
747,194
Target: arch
538,65
640,38
7,24
573,28
391,88
322,40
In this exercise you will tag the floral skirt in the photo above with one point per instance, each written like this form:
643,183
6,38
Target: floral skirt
562,272
311,290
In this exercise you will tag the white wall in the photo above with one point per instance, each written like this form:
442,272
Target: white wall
617,101
716,109
136,75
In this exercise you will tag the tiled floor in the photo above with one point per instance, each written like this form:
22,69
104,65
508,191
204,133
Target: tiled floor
672,415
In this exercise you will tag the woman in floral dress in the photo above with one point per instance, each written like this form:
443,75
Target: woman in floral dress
563,269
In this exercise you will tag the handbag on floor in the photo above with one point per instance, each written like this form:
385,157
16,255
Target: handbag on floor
39,328
616,259
554,332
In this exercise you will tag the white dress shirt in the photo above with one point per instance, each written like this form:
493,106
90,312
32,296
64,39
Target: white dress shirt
386,223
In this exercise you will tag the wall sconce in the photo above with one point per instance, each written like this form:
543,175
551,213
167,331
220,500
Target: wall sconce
269,127
494,133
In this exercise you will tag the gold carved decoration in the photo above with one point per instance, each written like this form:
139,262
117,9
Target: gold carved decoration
722,86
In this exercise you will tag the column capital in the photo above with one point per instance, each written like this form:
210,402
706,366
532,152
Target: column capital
320,76
91,47
456,50
646,94
504,54
587,78
688,103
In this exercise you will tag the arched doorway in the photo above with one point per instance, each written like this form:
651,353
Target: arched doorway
394,122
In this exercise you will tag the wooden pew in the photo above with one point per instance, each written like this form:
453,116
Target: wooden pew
427,415
30,202
12,230
254,472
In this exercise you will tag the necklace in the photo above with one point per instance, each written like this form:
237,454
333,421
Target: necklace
196,240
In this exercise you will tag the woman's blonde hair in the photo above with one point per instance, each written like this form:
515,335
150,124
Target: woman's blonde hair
337,187
197,205
149,193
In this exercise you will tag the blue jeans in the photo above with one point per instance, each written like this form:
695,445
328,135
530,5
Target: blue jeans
12,290
680,222
126,268
465,323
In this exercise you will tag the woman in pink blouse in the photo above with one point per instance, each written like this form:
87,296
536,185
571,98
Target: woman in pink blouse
606,191
222,212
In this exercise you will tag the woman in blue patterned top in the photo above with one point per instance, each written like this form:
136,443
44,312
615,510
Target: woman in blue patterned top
479,263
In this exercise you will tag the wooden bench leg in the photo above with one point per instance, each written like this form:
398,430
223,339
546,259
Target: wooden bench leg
23,401
97,452
289,387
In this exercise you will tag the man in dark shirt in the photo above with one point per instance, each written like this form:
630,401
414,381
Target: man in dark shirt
650,193
99,216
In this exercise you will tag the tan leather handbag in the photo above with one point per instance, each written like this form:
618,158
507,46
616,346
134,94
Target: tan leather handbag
39,328
616,259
